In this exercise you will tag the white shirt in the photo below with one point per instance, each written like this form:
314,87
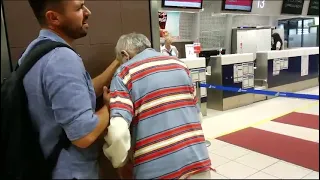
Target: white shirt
278,45
172,52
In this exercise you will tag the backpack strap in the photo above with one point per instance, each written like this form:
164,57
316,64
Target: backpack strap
37,51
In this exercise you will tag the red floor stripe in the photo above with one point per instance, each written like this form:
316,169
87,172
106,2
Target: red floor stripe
297,151
300,119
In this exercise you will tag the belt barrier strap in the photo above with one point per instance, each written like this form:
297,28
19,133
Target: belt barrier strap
262,92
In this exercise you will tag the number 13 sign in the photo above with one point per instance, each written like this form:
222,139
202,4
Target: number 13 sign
261,3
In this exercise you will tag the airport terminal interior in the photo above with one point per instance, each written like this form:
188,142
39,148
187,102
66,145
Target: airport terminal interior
254,65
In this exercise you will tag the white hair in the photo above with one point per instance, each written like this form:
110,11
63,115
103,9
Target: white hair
168,38
133,43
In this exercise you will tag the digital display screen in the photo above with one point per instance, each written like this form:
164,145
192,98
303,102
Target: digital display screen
313,8
237,5
191,4
292,7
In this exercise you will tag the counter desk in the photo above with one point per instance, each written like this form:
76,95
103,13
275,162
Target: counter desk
288,70
232,70
197,67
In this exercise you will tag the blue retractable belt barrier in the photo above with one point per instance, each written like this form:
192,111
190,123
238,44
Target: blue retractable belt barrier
263,92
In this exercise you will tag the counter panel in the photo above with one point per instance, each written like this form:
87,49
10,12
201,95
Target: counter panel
293,73
227,80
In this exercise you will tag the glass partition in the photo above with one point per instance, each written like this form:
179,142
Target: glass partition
300,32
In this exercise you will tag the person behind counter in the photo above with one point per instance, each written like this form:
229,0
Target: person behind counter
61,94
168,48
161,112
276,42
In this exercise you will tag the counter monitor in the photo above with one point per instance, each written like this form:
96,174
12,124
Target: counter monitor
237,5
187,4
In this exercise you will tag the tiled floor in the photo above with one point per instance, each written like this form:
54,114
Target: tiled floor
233,162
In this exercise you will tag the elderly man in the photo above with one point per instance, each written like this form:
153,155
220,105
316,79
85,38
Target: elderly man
154,115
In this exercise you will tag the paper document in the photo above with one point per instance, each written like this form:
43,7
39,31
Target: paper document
245,82
281,63
251,81
285,63
276,67
202,76
304,65
240,73
251,68
235,73
195,76
245,68
189,50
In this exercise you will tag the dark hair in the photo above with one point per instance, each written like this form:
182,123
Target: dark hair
276,38
40,7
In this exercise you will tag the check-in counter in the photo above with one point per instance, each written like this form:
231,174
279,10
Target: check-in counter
288,70
232,70
197,67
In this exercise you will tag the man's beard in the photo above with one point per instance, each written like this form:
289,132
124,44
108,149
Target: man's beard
74,32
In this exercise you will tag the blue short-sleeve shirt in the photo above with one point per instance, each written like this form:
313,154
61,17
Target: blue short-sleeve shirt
61,97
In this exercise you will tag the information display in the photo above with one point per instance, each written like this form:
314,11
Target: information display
190,4
313,8
237,5
292,7
244,73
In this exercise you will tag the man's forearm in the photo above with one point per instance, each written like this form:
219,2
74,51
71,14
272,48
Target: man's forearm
105,78
104,119
103,116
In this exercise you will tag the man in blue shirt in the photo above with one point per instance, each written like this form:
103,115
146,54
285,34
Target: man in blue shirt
61,95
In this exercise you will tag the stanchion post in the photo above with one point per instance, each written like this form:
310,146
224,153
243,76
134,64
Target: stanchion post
198,94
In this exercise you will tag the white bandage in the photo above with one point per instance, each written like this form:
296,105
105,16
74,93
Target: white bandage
118,142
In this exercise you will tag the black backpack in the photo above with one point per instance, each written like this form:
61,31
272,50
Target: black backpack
21,153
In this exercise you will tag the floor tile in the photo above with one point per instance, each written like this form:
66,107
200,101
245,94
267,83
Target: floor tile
216,144
218,123
286,170
256,160
290,130
234,170
261,175
313,110
217,160
312,175
231,152
213,175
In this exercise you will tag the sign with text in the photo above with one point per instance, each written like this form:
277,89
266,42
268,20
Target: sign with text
292,7
189,48
313,8
266,7
238,5
169,23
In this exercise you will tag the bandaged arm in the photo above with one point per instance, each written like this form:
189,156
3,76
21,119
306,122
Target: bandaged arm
118,142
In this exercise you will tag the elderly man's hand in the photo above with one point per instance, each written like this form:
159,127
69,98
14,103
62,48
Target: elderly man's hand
106,96
118,60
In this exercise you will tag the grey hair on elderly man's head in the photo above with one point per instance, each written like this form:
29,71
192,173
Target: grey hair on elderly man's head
132,43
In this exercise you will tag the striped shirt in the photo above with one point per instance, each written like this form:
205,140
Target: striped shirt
155,95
